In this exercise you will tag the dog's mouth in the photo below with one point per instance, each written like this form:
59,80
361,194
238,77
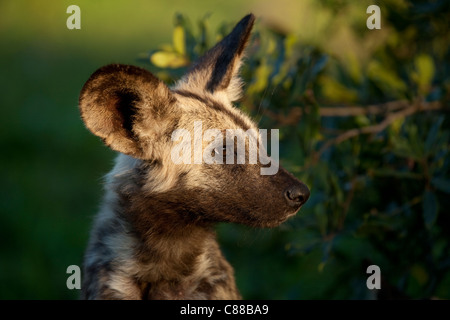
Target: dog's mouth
272,223
288,215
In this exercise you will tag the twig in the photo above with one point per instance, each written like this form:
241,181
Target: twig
292,118
394,110
370,109
417,107
295,113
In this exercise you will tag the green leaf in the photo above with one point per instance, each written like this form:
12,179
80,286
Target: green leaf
203,41
362,120
164,59
396,125
430,208
337,92
354,67
441,184
261,77
386,78
179,40
415,140
425,72
432,134
402,147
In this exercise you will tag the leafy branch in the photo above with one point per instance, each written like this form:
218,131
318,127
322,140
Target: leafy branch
405,110
392,110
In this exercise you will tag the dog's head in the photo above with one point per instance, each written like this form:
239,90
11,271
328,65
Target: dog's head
205,156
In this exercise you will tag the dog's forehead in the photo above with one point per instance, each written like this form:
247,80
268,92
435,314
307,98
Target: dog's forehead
214,113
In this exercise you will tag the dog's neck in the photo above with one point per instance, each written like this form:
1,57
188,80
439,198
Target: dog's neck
176,253
148,245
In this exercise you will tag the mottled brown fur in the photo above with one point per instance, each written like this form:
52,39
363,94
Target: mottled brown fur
154,237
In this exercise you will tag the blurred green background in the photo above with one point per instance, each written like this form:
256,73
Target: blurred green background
379,197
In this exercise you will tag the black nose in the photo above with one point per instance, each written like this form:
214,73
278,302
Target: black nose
297,194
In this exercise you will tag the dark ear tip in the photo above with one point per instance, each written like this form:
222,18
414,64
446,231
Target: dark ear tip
249,19
247,22
218,63
242,31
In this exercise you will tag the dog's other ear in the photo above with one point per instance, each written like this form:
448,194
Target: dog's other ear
128,108
217,70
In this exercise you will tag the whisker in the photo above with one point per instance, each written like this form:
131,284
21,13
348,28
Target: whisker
262,99
259,106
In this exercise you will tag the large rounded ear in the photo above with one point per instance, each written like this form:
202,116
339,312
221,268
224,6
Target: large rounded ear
127,107
218,69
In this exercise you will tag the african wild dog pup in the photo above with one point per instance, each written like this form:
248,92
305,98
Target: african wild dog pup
154,235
